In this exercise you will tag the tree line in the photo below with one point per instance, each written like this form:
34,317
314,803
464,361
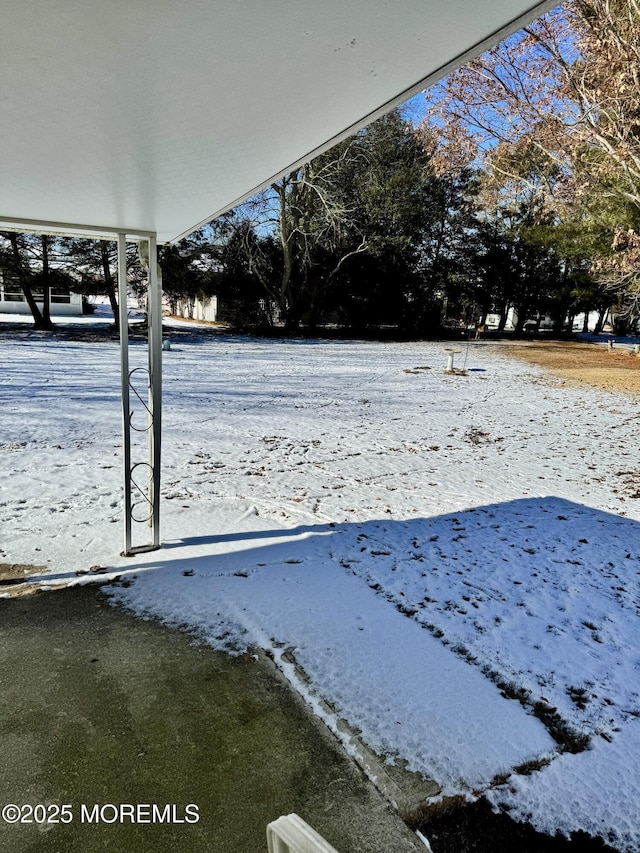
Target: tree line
519,191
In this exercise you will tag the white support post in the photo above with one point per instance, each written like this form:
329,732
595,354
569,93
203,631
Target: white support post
154,308
151,497
124,381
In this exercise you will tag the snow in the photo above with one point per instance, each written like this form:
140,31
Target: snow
597,792
419,544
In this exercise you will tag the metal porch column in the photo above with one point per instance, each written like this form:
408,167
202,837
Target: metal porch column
142,477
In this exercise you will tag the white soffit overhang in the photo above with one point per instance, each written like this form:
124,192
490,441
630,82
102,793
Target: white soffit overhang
158,115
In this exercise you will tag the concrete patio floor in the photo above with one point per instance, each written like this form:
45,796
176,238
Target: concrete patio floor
100,707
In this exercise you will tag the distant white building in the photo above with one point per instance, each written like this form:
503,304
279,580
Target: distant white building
198,308
544,322
63,302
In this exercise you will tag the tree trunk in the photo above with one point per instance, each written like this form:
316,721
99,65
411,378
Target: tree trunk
286,295
292,319
559,319
33,305
110,284
521,314
602,316
24,284
46,287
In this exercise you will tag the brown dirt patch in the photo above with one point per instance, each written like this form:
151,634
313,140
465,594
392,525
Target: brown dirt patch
594,364
15,572
14,579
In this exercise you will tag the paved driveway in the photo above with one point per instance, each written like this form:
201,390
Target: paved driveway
104,716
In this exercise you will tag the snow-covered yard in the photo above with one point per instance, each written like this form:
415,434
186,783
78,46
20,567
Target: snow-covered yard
422,545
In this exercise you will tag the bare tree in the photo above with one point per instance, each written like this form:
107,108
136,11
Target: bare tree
568,88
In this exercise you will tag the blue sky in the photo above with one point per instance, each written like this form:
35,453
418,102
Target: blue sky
415,108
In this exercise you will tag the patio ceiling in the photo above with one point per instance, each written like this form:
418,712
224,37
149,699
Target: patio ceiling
158,115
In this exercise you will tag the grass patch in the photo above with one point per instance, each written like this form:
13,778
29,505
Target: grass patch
567,738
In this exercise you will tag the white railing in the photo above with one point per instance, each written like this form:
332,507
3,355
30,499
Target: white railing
290,834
